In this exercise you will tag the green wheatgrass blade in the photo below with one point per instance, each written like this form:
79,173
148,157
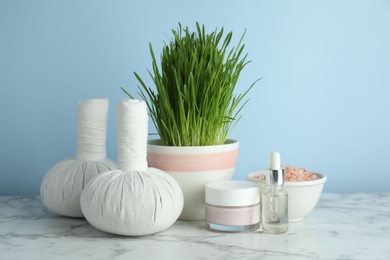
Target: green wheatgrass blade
194,102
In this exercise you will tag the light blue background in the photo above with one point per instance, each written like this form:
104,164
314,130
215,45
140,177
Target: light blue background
323,102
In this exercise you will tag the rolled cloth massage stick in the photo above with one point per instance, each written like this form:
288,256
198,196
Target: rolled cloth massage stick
134,200
63,183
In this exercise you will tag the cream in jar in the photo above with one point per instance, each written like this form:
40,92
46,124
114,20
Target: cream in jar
232,206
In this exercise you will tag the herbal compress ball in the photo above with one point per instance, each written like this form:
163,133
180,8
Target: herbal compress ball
63,183
135,200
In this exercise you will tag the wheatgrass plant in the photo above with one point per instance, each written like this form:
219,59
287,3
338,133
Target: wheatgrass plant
194,103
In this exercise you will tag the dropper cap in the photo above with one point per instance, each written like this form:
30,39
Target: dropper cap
275,172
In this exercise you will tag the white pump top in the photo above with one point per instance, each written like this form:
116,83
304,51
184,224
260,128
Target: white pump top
275,172
275,161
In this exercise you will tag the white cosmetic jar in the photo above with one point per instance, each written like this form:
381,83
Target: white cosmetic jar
232,206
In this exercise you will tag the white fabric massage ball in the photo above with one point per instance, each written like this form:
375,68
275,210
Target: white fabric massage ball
134,200
62,185
132,203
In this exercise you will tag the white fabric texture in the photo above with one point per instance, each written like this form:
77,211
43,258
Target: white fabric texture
62,185
91,129
134,200
132,135
132,203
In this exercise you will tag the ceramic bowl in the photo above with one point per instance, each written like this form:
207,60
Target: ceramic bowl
302,195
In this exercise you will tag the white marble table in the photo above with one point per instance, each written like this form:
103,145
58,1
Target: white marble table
343,226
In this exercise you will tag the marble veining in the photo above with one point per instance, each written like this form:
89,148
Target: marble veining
342,226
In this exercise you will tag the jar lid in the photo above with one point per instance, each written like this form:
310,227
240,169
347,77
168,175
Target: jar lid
232,193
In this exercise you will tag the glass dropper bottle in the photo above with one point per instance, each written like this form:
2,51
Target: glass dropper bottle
275,199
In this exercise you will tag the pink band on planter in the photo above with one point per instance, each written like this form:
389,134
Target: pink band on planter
193,162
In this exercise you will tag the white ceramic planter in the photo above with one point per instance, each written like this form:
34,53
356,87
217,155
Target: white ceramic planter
193,167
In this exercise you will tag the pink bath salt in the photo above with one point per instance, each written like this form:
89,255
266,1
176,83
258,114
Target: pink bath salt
258,177
298,174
